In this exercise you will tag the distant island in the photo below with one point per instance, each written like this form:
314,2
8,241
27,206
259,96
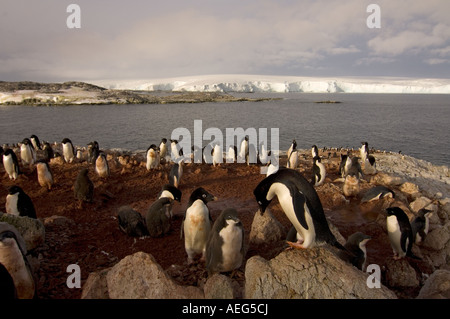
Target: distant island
82,93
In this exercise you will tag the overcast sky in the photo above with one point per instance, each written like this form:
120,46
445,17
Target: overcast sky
157,39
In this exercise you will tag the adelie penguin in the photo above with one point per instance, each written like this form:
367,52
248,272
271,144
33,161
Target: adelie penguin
319,172
243,156
197,223
13,258
68,150
48,152
11,164
356,251
163,148
225,246
367,159
131,222
93,151
44,174
217,155
400,233
18,203
175,150
376,193
27,152
153,157
170,191
292,160
102,166
314,151
84,188
421,224
35,142
175,174
301,204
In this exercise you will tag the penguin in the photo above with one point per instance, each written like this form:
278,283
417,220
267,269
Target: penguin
35,142
356,252
83,187
93,151
301,204
244,151
68,150
196,154
421,224
48,152
319,172
170,191
79,154
376,193
131,222
175,174
351,185
18,203
7,287
27,152
157,218
197,223
400,233
11,164
175,150
232,154
153,158
44,174
292,147
217,155
367,159
225,245
263,154
13,258
272,165
292,161
314,151
342,165
163,148
101,165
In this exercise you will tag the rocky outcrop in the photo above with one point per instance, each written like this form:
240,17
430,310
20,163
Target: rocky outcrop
437,286
311,273
31,229
266,228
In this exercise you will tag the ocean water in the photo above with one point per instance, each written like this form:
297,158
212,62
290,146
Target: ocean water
415,124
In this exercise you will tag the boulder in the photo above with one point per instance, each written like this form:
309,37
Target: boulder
437,286
438,238
266,228
310,273
95,286
399,273
409,188
139,276
219,287
31,229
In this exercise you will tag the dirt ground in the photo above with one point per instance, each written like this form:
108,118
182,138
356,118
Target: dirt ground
94,241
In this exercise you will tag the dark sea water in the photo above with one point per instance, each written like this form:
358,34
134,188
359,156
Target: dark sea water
417,125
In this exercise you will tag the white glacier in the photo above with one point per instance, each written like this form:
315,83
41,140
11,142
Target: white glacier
283,84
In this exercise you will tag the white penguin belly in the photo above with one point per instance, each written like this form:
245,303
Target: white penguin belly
44,177
152,159
8,163
68,153
196,228
11,204
323,174
395,235
286,202
218,156
26,154
231,248
12,259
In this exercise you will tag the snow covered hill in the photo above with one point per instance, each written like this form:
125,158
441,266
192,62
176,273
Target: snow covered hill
283,84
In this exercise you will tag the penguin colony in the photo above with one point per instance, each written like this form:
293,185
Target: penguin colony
219,244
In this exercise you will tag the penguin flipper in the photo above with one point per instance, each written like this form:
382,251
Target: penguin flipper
299,208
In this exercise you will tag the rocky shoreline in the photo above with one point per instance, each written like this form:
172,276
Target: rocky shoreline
81,93
114,265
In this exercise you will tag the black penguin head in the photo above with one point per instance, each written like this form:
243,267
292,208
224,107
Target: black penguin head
424,212
153,147
358,239
317,159
66,140
164,140
294,143
15,189
397,212
260,193
26,141
230,216
173,190
202,194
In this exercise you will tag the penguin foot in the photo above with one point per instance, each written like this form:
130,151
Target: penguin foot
295,245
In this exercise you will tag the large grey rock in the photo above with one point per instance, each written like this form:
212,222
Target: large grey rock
437,286
266,228
438,238
95,286
31,229
399,273
219,287
139,276
310,273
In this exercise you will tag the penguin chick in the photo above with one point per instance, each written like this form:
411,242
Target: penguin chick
18,203
84,188
93,151
351,186
13,257
356,252
421,224
225,245
157,218
45,176
153,157
101,165
131,222
171,192
197,223
400,233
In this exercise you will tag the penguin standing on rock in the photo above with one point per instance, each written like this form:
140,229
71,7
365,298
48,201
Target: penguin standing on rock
225,245
356,252
301,204
44,174
400,233
421,224
11,164
13,258
18,203
319,172
68,150
131,222
197,223
84,188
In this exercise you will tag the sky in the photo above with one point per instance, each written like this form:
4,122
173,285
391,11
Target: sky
137,39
